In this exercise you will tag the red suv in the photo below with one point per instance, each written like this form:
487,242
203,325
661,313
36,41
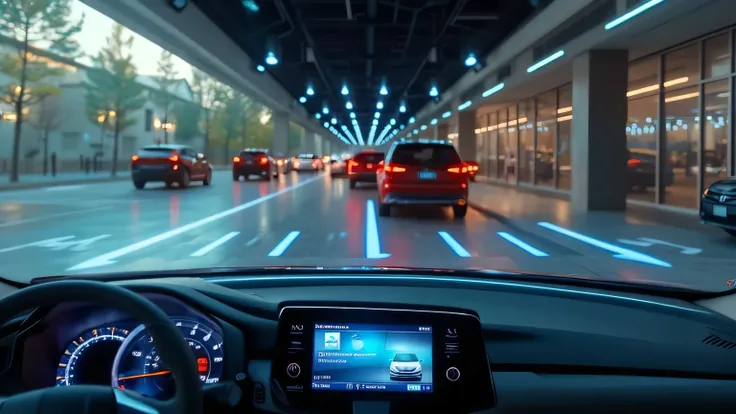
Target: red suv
422,172
169,164
254,162
363,166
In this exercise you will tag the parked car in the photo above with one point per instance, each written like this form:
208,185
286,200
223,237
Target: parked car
169,164
718,205
308,162
254,161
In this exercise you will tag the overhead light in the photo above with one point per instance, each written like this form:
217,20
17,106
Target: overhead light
546,61
379,105
178,5
493,90
384,90
355,122
318,115
465,105
348,105
352,115
326,124
423,127
392,121
447,114
433,91
401,126
334,121
434,121
344,90
633,13
377,115
302,99
402,108
310,90
261,68
325,110
271,59
471,60
411,120
251,5
375,122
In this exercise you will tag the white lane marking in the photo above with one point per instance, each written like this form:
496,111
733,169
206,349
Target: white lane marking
372,241
51,216
284,244
522,244
210,247
64,187
454,244
109,258
60,243
253,241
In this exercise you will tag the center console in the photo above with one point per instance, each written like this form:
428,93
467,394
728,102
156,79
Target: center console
338,359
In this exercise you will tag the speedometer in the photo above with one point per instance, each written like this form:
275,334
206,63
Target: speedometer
88,358
138,366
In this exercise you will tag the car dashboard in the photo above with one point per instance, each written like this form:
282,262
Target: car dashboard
371,343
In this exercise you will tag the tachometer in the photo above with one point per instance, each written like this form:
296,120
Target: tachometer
89,358
138,367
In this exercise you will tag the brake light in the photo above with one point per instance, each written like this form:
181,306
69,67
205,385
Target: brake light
134,158
264,161
394,168
174,158
634,162
458,170
380,163
236,159
353,164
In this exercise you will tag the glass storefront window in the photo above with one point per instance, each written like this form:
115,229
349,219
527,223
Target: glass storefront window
715,128
511,145
481,153
526,141
643,78
564,132
681,67
502,143
545,154
493,145
641,141
682,137
717,57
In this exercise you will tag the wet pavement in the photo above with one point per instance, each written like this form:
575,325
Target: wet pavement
313,219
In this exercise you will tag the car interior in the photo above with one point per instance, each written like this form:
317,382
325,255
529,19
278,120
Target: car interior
362,340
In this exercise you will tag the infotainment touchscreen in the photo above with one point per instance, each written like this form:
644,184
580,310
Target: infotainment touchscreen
368,357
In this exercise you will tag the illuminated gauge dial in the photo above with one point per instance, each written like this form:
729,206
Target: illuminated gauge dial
88,359
138,366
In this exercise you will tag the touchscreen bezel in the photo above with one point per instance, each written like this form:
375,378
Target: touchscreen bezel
474,392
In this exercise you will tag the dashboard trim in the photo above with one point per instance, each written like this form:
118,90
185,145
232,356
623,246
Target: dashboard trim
369,308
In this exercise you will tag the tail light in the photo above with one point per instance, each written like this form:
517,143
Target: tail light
264,161
134,158
380,163
236,160
633,162
174,158
280,162
394,168
458,170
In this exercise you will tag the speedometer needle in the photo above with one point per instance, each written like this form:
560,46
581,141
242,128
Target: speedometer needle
150,374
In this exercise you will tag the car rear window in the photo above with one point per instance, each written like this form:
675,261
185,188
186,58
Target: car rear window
247,155
155,152
373,157
425,154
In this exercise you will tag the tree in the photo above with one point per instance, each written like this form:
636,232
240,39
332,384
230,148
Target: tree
46,118
232,121
187,117
209,95
31,24
167,79
112,89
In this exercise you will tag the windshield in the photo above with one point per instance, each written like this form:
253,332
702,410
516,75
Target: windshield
400,150
406,358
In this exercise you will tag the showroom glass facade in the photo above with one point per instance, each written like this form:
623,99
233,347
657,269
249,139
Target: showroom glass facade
679,134
512,149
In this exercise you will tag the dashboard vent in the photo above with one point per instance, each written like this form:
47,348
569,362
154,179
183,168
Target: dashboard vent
716,340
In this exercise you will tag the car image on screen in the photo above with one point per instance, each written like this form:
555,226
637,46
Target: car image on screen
405,367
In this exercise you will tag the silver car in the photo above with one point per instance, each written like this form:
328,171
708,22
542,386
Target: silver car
405,367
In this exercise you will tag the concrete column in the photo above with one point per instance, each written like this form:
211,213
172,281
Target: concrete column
441,131
466,145
327,146
598,144
303,141
318,144
280,132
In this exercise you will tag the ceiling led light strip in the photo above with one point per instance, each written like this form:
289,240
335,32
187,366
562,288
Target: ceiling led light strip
546,61
633,13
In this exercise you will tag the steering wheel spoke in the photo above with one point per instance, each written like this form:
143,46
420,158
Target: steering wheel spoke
129,402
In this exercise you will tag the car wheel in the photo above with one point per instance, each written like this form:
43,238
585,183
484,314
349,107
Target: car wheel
352,184
236,177
168,184
731,232
460,211
384,210
185,179
139,184
246,177
207,178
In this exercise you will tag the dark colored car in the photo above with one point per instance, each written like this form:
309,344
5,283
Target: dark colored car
169,164
718,205
363,166
283,162
426,173
254,162
641,169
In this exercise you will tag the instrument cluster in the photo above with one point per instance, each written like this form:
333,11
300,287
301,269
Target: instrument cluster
103,347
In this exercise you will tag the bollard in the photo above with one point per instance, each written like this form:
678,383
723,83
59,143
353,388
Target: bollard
86,166
53,164
81,162
94,164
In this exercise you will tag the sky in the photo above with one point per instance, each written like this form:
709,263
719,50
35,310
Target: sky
97,27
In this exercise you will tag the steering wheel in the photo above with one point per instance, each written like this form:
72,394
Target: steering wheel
97,399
